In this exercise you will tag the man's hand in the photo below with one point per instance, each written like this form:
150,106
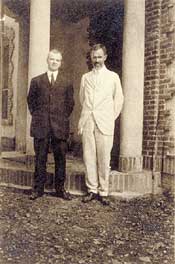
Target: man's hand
80,131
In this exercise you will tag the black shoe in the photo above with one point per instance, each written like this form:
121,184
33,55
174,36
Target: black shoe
36,195
104,200
89,197
64,195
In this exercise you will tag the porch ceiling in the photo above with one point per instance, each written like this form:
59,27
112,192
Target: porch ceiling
66,10
73,10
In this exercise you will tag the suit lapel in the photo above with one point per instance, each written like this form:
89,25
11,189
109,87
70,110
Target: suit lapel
46,79
91,79
58,79
57,82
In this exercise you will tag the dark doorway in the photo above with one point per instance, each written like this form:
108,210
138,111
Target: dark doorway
105,26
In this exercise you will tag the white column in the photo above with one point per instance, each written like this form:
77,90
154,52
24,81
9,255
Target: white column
133,86
38,48
1,69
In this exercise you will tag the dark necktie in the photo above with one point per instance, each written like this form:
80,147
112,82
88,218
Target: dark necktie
52,80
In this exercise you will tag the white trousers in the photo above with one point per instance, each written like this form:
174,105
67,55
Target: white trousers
97,154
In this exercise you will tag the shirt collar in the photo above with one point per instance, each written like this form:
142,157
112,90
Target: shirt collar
102,69
55,73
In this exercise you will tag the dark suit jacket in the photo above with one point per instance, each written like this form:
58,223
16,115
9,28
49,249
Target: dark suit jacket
50,107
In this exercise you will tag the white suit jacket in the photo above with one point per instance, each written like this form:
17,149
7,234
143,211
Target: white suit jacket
101,95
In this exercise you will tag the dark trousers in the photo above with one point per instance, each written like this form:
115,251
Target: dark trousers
41,148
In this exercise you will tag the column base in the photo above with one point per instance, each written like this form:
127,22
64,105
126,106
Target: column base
130,164
139,183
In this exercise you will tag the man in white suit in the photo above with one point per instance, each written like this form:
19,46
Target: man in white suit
101,98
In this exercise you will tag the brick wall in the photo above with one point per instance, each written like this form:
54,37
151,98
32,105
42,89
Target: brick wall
159,92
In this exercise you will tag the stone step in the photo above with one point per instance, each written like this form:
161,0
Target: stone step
15,173
23,158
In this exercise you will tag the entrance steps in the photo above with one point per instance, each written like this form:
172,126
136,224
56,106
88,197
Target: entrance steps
16,171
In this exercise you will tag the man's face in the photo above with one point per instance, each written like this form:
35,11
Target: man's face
98,58
54,61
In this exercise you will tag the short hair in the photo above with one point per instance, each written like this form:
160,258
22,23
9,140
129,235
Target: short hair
56,51
97,47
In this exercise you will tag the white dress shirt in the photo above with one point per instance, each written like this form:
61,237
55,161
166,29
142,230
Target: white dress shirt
101,95
49,74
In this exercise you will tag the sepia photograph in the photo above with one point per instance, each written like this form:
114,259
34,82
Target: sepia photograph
87,131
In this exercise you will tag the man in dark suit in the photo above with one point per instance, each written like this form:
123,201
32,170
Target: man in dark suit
50,101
